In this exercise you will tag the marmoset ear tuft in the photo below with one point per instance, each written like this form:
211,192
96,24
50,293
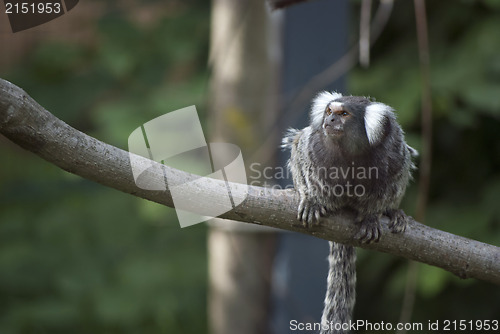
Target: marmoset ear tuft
319,105
376,115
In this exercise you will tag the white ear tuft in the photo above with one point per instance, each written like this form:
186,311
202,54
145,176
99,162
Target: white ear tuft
319,105
375,115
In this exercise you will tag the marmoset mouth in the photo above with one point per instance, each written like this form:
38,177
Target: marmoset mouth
332,131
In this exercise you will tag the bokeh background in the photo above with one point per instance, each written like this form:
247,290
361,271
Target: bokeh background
76,257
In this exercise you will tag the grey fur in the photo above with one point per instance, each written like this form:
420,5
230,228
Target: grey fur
350,134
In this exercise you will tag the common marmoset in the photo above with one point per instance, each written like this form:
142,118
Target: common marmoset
353,155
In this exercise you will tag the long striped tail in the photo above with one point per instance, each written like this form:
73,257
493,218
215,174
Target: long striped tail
341,289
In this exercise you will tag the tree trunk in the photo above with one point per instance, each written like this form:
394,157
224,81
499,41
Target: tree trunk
242,111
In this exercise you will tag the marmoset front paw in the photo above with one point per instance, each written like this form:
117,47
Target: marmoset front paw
309,212
369,230
398,220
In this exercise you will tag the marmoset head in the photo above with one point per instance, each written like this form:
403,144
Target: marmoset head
355,123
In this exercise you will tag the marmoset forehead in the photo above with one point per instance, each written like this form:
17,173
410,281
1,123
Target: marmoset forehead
352,100
335,106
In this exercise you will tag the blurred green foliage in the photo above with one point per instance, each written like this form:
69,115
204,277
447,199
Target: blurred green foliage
465,186
76,257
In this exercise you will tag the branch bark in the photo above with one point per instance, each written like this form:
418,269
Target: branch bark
29,125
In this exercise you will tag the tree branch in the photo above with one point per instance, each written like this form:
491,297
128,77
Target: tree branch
29,125
280,4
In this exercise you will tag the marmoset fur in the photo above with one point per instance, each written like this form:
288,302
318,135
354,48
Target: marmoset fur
353,156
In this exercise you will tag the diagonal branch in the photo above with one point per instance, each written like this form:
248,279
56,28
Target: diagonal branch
29,125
